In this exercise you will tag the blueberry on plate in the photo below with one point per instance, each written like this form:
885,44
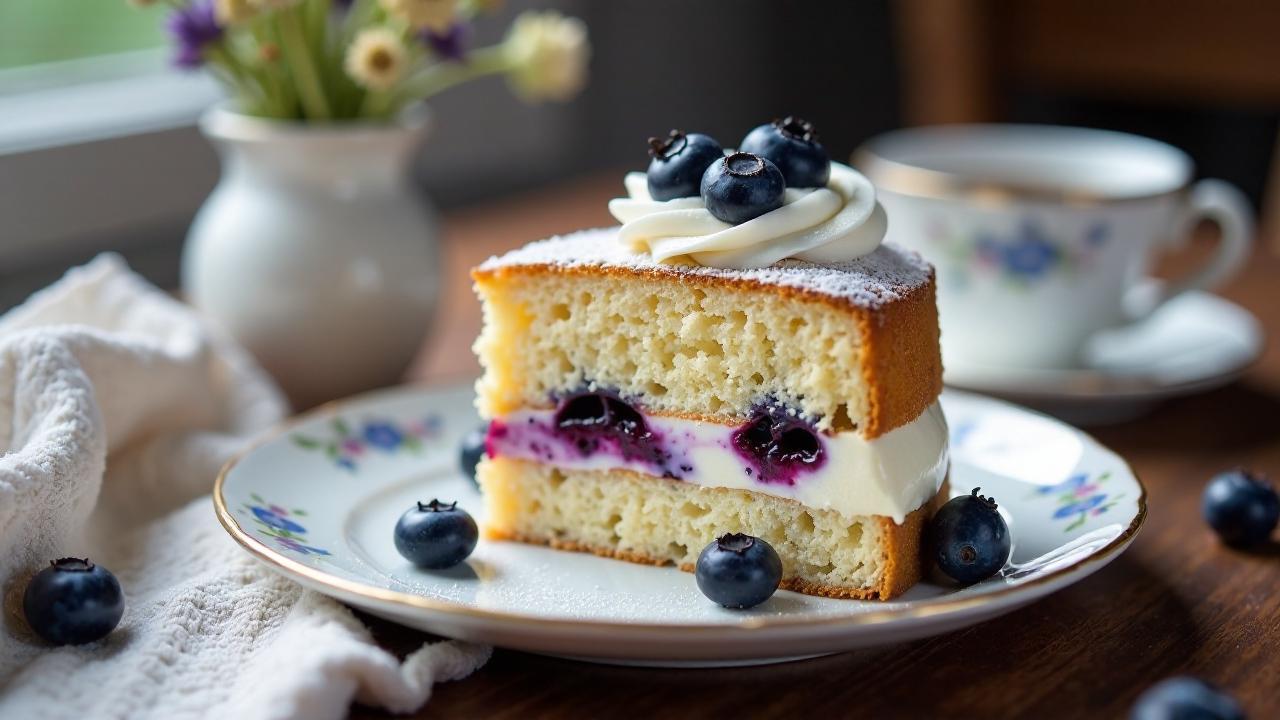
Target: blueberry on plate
742,187
1241,507
792,145
678,163
738,571
970,539
471,450
1185,698
436,535
73,602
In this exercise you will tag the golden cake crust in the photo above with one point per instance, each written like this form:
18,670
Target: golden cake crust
904,555
901,361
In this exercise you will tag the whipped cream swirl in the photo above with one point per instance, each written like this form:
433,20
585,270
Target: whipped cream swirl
841,221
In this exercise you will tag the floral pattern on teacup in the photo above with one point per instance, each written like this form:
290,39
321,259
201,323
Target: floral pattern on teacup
280,525
350,442
1027,256
1079,498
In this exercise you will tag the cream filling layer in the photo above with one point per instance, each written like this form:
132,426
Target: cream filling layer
890,475
841,221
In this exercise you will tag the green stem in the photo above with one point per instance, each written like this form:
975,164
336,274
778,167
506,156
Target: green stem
294,45
358,15
440,76
375,103
317,18
290,104
272,74
240,78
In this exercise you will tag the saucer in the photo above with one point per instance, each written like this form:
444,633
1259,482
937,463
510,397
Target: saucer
1196,342
317,501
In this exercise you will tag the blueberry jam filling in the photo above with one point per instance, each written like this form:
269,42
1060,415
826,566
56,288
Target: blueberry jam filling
778,446
597,428
593,421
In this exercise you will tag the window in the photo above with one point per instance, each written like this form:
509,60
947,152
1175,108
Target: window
36,32
93,153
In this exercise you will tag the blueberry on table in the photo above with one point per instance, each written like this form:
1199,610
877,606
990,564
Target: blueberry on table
73,602
792,145
1185,698
738,571
471,451
1241,507
436,535
678,163
742,187
970,539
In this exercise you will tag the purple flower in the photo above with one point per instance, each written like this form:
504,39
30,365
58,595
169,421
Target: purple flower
383,436
451,45
276,520
192,28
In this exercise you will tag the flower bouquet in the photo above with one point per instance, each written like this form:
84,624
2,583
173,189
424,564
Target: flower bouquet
334,60
316,250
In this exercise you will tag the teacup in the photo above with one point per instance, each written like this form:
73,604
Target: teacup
1044,235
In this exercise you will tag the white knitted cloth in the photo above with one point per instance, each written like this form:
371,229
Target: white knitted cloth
117,407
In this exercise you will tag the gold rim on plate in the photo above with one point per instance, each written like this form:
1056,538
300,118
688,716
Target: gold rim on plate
343,586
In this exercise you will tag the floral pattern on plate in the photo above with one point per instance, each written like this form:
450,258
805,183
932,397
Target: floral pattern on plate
1080,498
350,442
1027,256
280,525
543,600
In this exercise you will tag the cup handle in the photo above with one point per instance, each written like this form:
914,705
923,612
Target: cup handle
1227,207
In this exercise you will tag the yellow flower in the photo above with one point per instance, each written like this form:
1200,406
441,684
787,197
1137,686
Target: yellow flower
548,53
233,12
376,58
435,15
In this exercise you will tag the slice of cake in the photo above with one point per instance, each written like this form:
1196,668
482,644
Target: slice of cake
642,404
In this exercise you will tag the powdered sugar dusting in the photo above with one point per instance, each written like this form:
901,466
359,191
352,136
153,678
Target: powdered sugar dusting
881,277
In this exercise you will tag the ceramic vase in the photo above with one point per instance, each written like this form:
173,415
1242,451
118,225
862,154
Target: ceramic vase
316,251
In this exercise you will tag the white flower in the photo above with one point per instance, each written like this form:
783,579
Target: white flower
549,54
376,58
233,12
435,15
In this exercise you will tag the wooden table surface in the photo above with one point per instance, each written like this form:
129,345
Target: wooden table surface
1175,602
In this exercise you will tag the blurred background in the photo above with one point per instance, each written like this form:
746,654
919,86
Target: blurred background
98,148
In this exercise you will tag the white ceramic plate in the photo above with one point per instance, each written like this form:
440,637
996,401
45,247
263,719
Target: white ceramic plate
317,501
1195,343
